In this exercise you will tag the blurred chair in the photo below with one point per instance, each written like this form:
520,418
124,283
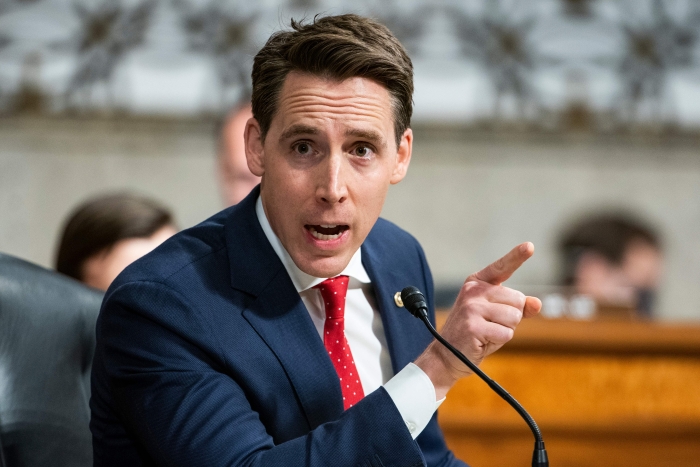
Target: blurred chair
47,343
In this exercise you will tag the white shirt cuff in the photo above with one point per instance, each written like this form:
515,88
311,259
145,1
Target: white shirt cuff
413,394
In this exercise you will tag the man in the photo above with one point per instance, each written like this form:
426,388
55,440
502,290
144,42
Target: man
235,178
614,258
269,335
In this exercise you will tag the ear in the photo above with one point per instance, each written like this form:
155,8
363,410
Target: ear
403,157
254,151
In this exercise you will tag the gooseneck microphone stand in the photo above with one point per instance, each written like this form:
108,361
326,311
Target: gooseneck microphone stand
415,303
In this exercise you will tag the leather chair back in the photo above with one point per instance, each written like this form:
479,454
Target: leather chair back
47,340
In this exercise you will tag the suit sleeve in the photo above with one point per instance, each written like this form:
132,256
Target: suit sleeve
171,393
431,440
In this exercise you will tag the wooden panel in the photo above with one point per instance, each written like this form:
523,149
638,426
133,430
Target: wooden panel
622,394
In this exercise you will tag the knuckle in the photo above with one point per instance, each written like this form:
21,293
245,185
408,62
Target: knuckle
482,307
518,314
472,328
508,334
510,317
502,335
470,287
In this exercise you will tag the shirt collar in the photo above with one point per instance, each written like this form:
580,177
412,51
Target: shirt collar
301,280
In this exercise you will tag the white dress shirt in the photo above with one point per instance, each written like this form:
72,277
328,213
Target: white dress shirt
411,390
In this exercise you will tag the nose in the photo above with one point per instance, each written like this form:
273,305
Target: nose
331,187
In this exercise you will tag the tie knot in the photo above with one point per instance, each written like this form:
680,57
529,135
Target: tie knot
333,291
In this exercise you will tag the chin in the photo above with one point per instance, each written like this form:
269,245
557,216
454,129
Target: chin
326,267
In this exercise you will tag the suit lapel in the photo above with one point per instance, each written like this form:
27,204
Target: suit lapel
399,325
283,322
279,316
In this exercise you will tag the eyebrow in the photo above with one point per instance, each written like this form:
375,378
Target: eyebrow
297,130
369,135
300,129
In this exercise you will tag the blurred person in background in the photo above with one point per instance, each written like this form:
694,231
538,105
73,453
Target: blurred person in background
235,178
107,233
615,259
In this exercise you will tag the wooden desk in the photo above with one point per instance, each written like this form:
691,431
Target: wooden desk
604,393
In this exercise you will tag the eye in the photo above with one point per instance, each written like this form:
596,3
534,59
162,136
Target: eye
303,148
363,151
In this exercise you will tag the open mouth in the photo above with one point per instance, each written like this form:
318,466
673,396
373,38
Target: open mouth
326,231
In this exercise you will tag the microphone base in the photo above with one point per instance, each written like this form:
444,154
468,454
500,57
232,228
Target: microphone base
539,456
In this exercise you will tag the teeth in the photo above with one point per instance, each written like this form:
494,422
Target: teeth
320,236
328,226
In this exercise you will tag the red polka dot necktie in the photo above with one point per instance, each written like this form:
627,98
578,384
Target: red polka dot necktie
333,291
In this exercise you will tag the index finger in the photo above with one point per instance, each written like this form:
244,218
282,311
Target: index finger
500,270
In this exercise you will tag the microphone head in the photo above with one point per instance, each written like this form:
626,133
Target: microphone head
414,301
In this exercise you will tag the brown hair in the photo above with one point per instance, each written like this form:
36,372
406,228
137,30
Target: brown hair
338,48
99,223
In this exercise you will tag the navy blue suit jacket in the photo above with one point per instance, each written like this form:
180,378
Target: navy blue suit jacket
206,356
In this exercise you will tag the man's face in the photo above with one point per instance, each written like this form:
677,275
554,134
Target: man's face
100,269
235,179
326,165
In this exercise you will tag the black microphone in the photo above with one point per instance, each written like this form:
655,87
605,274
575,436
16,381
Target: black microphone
414,302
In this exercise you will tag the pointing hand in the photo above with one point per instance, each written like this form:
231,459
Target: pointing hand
483,319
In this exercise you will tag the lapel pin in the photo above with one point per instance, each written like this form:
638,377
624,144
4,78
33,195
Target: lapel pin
397,299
